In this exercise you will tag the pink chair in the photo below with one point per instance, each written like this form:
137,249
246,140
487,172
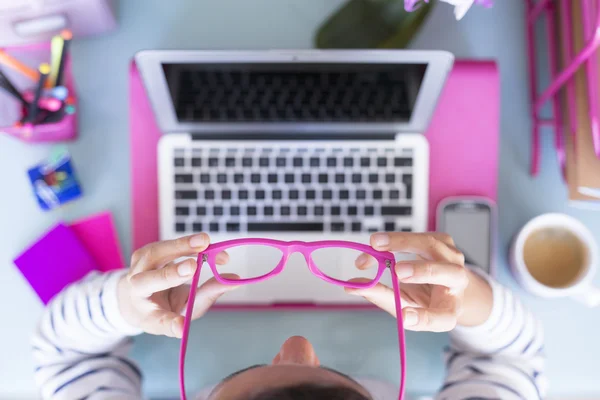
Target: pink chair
591,26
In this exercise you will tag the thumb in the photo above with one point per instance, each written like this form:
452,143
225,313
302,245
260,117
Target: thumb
165,323
209,293
380,295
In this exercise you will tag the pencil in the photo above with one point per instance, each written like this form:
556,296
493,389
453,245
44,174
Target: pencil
66,36
13,63
33,107
7,85
56,54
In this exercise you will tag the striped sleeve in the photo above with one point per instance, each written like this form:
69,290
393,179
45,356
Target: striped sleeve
501,359
81,343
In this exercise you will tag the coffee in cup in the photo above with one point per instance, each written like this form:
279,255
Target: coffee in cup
554,255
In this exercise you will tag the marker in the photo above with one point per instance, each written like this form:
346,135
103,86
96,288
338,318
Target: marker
56,49
66,36
33,107
7,85
13,63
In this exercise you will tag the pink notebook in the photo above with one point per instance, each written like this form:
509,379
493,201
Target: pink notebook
463,139
99,237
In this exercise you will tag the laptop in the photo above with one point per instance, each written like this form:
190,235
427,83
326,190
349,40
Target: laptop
296,145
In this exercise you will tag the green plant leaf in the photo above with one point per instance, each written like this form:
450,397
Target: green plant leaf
370,24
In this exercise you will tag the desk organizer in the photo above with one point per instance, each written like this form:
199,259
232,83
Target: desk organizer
559,13
63,130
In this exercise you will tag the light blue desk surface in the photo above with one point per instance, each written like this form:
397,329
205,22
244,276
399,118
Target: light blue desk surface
357,343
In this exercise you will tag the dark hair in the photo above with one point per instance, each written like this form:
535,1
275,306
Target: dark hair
311,392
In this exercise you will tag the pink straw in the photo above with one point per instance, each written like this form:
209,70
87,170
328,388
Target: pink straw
532,67
553,62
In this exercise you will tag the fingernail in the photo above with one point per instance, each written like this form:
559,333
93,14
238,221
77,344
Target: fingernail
198,240
381,239
185,268
404,271
411,318
361,260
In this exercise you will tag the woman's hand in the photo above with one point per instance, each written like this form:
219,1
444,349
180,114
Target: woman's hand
432,287
154,294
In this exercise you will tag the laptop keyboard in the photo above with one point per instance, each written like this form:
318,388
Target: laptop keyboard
333,188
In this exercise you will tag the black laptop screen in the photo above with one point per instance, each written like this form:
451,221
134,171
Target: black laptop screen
250,93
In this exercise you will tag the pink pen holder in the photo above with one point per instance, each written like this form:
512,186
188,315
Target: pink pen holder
63,126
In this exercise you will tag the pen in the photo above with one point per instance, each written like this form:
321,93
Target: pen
34,107
66,36
56,50
18,66
7,85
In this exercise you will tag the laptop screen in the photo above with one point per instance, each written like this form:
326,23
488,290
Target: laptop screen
294,92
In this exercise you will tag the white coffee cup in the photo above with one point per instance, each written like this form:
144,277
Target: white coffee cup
555,255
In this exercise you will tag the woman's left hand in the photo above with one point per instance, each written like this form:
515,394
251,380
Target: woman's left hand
154,294
432,287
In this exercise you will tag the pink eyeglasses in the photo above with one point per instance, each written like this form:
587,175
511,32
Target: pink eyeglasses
319,260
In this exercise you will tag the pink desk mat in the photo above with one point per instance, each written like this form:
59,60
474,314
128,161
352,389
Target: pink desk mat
464,135
463,138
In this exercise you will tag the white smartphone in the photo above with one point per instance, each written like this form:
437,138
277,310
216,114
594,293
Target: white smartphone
471,221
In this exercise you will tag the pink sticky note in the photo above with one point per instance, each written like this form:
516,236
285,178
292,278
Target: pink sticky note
54,261
99,236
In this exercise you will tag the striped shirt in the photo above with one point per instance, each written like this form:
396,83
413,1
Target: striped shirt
82,343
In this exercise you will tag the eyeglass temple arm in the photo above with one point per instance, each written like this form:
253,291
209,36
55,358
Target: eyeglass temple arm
189,310
400,323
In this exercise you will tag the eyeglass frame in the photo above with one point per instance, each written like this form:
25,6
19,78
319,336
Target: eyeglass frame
385,259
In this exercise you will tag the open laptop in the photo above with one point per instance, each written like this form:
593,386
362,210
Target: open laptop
292,145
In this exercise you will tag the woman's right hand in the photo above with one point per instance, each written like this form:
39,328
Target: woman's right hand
433,287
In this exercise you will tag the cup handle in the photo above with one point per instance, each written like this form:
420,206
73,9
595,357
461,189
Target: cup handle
590,297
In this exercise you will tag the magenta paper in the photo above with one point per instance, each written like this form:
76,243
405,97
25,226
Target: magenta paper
54,261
